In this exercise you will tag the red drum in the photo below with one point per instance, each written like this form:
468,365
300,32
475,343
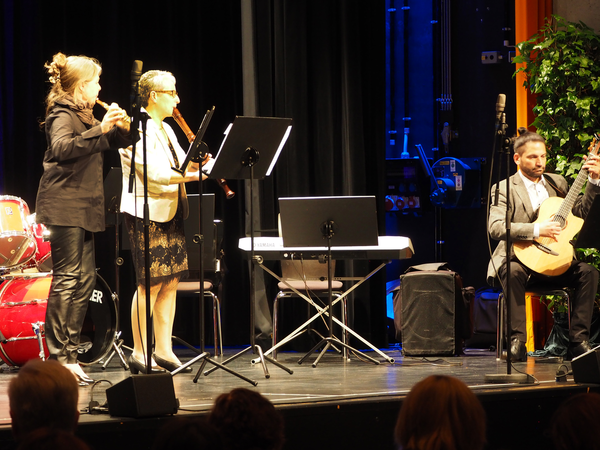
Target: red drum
41,259
17,245
23,304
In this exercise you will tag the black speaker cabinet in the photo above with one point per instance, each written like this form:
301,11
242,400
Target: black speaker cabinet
143,396
432,313
586,368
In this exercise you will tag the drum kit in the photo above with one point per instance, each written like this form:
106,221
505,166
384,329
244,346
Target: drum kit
25,278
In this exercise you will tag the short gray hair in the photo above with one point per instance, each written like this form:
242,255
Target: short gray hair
151,81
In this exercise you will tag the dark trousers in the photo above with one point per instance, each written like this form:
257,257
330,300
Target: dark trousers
73,281
580,277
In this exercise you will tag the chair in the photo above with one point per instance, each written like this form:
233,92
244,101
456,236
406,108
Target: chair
308,277
213,237
192,288
534,288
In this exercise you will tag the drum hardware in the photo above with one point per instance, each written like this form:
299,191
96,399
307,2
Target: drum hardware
117,350
112,191
38,332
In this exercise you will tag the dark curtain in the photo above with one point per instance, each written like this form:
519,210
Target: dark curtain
199,42
322,63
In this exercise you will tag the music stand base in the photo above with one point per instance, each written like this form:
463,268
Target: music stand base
205,358
505,378
328,342
261,359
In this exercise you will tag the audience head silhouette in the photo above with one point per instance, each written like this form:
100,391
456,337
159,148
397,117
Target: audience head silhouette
43,394
52,439
441,413
574,424
247,420
186,433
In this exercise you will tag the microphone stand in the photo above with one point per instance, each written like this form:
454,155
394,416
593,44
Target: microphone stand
137,117
509,377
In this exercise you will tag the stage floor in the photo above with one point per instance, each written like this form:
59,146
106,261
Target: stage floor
357,394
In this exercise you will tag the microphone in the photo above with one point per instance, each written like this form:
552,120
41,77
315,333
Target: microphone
500,104
136,73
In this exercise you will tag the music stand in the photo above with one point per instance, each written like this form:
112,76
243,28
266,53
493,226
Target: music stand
249,151
309,221
195,154
204,211
113,184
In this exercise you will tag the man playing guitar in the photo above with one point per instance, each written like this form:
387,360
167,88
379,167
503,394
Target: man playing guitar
529,188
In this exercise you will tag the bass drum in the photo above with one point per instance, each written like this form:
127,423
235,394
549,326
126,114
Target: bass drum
23,304
100,324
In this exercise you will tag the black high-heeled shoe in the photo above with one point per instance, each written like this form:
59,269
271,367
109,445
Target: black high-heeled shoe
136,367
169,365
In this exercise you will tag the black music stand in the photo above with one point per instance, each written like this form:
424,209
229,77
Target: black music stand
312,221
113,184
199,249
197,152
249,152
201,218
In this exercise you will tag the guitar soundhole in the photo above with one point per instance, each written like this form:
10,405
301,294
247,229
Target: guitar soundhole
561,220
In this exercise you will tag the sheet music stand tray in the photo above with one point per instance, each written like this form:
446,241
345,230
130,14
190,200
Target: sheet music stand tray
313,221
249,152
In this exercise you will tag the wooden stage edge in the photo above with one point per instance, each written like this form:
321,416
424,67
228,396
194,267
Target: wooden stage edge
337,404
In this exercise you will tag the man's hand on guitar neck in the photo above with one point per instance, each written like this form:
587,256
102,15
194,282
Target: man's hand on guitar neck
549,228
592,165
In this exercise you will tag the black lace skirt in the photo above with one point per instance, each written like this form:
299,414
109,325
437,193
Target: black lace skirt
168,254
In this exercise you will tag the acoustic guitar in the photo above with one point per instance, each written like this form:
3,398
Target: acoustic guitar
545,255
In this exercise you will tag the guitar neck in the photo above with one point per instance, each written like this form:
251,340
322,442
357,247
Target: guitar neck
568,202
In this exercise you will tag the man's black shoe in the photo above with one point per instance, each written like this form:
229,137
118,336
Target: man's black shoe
518,350
576,349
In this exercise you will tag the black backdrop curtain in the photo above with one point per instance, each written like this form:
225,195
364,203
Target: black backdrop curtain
322,63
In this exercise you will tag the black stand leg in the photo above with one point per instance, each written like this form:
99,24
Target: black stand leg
331,339
250,158
203,355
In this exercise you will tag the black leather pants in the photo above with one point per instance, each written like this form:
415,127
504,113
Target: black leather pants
73,281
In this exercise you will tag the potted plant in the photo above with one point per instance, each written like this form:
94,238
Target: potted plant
562,69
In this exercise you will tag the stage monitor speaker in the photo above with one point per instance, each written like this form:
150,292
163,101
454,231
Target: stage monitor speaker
586,368
432,313
143,396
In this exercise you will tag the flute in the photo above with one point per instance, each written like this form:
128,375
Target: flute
125,117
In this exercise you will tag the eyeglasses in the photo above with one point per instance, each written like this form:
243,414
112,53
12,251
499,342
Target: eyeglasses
172,93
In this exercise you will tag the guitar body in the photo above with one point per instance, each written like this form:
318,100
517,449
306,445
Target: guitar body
538,260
